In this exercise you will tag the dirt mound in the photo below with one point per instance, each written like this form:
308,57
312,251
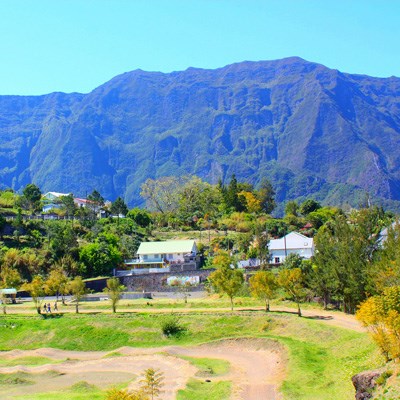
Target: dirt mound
257,367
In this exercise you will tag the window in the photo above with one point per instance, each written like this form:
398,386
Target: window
277,260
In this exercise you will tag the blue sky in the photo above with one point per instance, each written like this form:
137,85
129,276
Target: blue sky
76,45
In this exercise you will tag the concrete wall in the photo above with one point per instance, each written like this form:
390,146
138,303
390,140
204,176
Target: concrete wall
158,282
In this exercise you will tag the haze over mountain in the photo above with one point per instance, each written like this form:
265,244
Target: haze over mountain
315,132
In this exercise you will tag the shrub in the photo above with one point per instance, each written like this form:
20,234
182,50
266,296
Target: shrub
172,326
381,380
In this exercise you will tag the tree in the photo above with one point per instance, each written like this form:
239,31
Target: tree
9,278
344,251
183,288
62,239
100,257
119,207
261,241
114,290
68,205
36,289
293,260
292,208
78,290
309,206
141,217
291,280
95,202
233,201
381,315
56,282
3,223
253,205
68,265
124,394
152,383
224,279
266,195
163,194
264,286
322,215
31,196
385,270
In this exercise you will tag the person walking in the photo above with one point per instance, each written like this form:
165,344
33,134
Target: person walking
55,306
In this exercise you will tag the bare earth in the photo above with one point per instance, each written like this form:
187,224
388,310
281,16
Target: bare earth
257,368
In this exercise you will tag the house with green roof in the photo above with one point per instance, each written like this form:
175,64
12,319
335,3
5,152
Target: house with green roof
157,255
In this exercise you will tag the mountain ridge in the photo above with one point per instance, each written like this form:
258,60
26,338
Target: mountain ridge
312,130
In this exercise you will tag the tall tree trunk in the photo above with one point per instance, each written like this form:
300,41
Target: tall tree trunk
77,308
267,305
326,300
231,303
298,310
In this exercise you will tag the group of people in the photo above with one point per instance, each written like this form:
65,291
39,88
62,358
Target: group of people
47,307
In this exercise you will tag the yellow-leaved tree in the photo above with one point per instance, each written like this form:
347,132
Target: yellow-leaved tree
381,315
264,285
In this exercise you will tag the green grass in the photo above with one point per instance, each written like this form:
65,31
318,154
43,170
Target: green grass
114,354
321,358
209,367
16,378
202,390
27,361
79,391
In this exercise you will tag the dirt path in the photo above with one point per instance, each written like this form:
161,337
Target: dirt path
257,367
334,318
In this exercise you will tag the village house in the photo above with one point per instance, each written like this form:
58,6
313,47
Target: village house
293,243
165,254
52,200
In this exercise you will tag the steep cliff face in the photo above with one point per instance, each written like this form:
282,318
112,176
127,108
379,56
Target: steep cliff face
312,130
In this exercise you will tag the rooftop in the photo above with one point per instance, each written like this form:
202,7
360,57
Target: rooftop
168,247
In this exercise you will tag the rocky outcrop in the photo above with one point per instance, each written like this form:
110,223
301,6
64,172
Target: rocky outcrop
364,384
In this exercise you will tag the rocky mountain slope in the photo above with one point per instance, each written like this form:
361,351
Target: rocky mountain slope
312,130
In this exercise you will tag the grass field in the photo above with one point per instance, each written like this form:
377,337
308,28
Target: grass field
321,358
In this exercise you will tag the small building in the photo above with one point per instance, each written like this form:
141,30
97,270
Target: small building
164,254
81,202
8,295
292,243
52,200
383,234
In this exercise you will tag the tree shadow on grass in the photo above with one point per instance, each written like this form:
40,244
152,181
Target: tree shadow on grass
322,317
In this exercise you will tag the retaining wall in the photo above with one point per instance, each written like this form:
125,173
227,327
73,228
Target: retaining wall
158,282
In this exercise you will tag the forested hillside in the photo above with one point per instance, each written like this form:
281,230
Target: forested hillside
312,131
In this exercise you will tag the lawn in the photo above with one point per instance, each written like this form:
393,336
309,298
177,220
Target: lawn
321,358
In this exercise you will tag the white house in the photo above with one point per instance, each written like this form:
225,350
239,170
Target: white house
51,200
383,235
295,243
163,254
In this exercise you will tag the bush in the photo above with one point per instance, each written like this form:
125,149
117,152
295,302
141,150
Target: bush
381,380
172,326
